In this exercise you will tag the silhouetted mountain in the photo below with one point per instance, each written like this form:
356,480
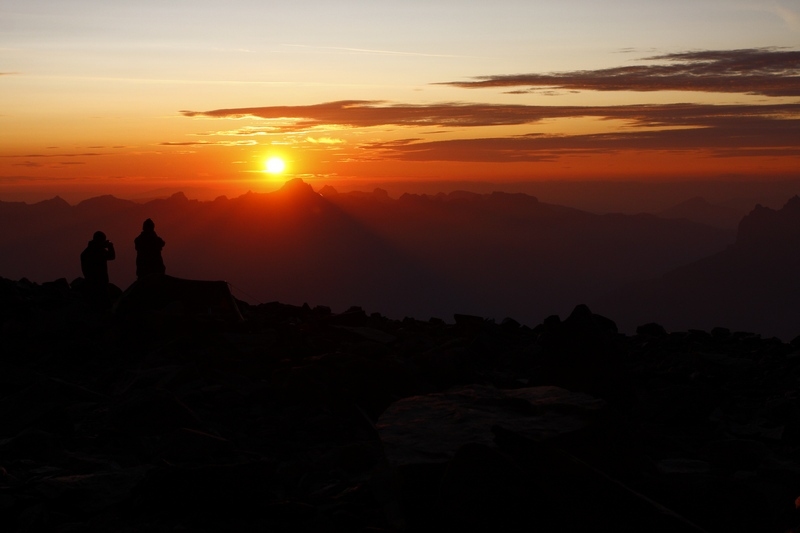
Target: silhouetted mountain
104,205
700,210
512,255
753,285
492,255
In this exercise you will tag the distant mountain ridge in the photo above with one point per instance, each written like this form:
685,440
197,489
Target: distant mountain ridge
493,255
752,285
700,210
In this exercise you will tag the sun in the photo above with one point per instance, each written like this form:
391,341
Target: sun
275,165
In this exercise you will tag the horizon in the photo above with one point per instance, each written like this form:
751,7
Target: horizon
627,197
490,255
106,99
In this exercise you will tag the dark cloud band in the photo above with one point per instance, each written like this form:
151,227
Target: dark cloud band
764,71
367,114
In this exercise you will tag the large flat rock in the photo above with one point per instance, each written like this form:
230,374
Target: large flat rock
430,428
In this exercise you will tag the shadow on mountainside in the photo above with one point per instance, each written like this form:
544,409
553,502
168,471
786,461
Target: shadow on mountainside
753,285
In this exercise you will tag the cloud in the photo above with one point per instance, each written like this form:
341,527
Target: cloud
762,129
247,131
36,164
370,51
87,154
238,143
790,16
206,143
763,71
370,114
366,113
720,136
768,129
325,140
185,143
18,179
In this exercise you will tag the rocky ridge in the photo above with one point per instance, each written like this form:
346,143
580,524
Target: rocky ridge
301,419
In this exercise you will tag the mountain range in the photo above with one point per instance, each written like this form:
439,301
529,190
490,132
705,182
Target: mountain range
493,255
751,285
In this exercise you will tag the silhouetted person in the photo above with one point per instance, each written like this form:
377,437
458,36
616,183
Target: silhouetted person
148,251
94,265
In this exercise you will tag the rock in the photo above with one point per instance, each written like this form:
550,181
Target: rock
431,428
187,445
651,329
34,443
582,353
294,422
469,322
152,412
84,495
485,490
203,492
683,467
736,455
370,334
353,317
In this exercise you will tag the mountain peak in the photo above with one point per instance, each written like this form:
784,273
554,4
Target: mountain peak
328,190
55,201
105,199
765,226
793,204
296,185
179,196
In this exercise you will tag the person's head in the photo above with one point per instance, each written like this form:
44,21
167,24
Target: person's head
148,225
99,236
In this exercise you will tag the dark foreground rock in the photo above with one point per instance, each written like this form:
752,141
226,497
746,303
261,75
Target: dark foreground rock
300,419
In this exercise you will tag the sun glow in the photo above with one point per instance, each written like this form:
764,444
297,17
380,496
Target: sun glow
275,165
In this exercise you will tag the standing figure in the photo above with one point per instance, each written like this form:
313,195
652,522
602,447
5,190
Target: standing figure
94,265
148,251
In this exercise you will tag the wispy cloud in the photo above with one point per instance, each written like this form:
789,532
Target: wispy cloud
361,113
247,131
764,71
370,51
365,113
789,15
735,139
325,140
85,154
207,143
52,164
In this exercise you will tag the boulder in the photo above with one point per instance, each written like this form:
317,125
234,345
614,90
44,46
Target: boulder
432,427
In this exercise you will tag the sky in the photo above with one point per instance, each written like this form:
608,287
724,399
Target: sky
139,98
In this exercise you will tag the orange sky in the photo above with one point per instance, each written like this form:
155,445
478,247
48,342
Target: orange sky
101,99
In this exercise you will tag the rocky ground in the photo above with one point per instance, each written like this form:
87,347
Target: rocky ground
301,419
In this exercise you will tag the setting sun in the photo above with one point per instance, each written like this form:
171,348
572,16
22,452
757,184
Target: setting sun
275,165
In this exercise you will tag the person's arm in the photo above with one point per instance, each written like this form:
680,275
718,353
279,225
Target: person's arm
110,253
